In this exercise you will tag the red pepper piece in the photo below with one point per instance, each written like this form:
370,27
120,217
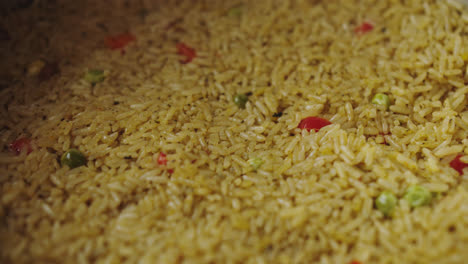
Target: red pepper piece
20,145
119,41
313,122
355,262
364,28
162,159
457,164
186,51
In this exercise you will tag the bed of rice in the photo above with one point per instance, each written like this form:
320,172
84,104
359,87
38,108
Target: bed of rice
312,201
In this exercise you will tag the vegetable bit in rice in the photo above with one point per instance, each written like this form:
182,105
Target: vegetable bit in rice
382,100
20,145
457,164
188,52
417,196
94,76
255,163
365,27
162,159
386,203
235,11
119,41
313,122
73,158
241,100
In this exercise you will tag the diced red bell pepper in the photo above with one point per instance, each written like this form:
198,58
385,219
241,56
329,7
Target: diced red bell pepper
313,122
20,145
119,41
458,165
364,28
186,51
162,159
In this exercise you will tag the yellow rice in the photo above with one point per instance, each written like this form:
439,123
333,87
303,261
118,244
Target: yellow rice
312,199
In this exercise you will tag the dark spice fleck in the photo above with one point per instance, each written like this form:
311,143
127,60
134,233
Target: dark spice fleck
143,13
48,71
383,30
24,3
116,103
128,157
279,114
102,26
173,23
4,36
249,93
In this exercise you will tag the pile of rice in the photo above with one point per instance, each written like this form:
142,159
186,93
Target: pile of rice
311,201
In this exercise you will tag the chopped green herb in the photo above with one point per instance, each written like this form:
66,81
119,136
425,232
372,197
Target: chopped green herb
381,99
94,76
73,158
386,203
255,163
418,196
235,11
240,100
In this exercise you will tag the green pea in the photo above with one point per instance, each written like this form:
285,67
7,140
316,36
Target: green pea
240,100
73,158
255,163
418,196
386,203
235,11
94,76
381,99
